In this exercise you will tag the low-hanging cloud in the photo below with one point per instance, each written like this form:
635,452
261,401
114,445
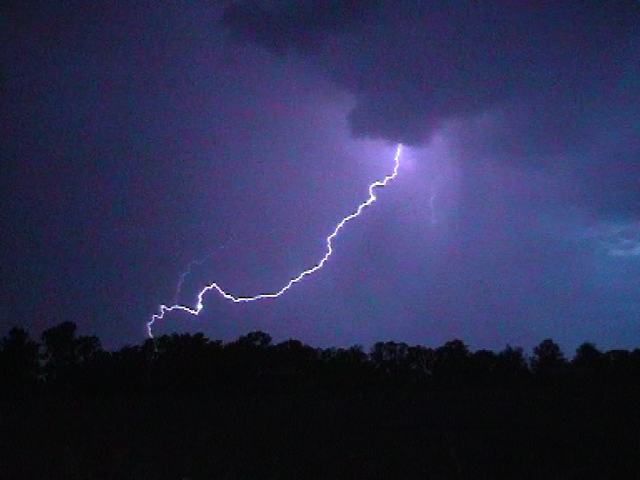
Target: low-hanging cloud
558,80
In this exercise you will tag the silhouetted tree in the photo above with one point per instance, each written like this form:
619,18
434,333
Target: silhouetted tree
390,358
484,365
293,363
421,361
635,360
18,359
70,359
588,357
87,349
345,368
618,364
130,368
252,409
248,358
294,355
59,354
185,361
547,359
255,340
511,365
452,362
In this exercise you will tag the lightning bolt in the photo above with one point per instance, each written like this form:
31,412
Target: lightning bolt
185,274
189,270
164,309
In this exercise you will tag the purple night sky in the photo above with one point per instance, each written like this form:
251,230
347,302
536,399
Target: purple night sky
138,138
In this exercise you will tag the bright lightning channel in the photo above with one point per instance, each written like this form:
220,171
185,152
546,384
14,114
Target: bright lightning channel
164,309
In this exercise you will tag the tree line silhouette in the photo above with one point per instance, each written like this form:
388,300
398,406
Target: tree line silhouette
192,361
185,406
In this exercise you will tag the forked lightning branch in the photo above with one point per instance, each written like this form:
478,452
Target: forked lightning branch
199,306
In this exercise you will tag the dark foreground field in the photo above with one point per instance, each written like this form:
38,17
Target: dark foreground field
187,407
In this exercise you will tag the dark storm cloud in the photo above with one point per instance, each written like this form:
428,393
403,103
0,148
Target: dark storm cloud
560,81
137,137
301,25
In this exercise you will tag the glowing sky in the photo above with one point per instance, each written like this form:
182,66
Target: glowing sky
274,294
141,137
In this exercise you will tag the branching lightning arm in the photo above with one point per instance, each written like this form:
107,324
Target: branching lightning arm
164,309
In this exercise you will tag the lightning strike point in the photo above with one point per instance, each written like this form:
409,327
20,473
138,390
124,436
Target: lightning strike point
199,306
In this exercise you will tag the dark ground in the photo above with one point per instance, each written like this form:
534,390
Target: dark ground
254,410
